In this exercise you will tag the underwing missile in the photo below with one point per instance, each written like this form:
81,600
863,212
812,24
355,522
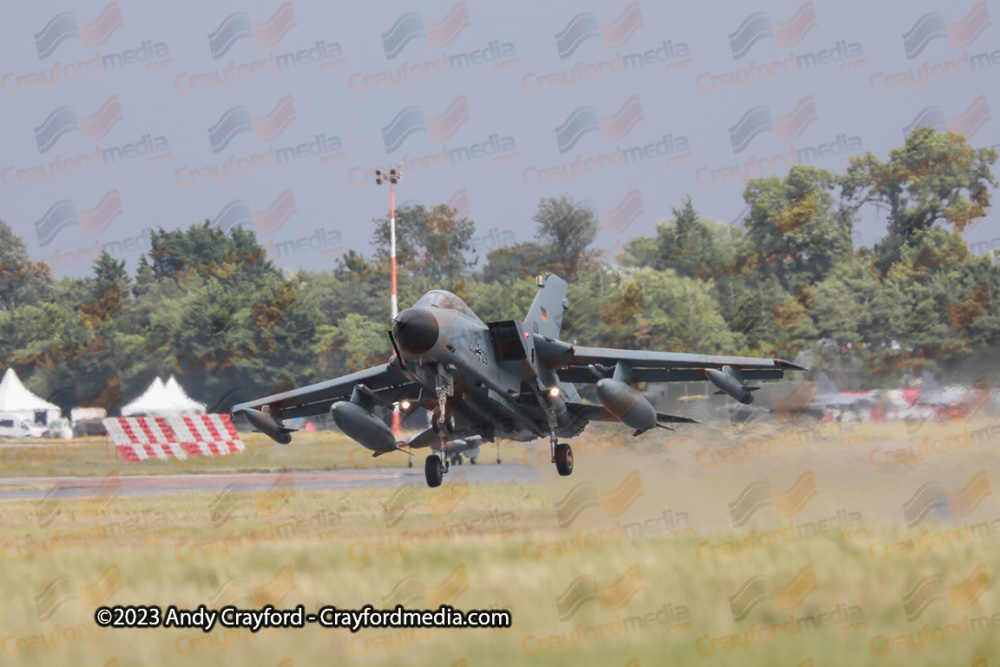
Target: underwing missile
266,424
728,382
626,404
362,426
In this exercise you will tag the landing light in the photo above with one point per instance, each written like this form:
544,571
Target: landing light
404,405
554,392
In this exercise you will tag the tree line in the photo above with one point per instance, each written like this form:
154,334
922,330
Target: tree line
209,307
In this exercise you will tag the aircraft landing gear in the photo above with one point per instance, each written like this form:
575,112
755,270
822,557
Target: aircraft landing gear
563,458
434,470
562,454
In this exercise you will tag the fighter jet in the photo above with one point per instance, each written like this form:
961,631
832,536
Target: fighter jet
934,395
484,381
829,397
951,402
809,398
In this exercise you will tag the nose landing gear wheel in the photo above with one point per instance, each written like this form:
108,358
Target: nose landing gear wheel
434,470
564,459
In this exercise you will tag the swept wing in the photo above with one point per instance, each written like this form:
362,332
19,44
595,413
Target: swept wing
386,382
664,366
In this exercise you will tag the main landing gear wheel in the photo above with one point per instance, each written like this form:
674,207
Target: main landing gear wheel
564,459
434,470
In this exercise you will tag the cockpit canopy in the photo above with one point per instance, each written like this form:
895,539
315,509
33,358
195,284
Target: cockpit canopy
446,300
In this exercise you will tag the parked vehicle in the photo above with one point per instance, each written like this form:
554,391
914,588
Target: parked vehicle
13,425
60,428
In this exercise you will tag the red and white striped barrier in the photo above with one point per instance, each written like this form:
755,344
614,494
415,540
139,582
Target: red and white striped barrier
207,435
162,438
141,438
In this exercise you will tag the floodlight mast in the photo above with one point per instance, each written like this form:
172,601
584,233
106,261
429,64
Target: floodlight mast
394,176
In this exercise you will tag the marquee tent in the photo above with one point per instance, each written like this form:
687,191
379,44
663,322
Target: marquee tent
163,400
14,398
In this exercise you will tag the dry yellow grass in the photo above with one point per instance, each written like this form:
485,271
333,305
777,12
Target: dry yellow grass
328,450
653,536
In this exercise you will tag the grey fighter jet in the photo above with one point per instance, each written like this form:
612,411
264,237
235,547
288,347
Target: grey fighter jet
828,397
934,395
484,381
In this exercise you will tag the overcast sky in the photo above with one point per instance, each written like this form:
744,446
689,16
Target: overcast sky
123,117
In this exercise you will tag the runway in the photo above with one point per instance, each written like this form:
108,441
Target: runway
158,485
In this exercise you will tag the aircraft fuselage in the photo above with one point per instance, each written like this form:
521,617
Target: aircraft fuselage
438,345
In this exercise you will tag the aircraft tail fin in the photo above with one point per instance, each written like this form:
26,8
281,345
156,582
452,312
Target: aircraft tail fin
825,386
928,383
545,316
930,390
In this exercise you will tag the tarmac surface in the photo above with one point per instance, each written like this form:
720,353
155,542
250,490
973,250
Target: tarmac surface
158,485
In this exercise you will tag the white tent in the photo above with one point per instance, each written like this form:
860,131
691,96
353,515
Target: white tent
14,398
180,397
163,400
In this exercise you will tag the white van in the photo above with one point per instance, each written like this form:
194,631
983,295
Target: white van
15,426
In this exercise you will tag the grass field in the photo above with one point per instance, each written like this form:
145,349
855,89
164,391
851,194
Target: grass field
322,450
773,545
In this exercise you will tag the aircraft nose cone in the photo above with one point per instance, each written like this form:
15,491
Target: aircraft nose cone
416,330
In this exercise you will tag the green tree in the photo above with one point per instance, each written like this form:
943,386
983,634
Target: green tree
108,270
429,244
645,309
795,227
567,229
144,279
23,280
522,261
684,243
355,343
934,177
495,301
204,251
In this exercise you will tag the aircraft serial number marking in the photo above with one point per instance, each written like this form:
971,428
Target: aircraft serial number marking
477,349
